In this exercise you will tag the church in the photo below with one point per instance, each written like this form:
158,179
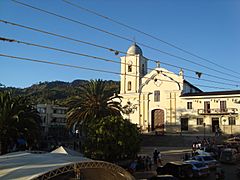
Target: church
161,101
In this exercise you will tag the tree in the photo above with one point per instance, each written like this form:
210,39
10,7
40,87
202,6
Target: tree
106,135
17,120
129,108
95,101
111,138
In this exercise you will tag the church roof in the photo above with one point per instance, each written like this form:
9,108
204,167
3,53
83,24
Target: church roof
212,93
134,49
186,82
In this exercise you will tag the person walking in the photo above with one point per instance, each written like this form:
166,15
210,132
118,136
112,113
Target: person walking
159,160
155,156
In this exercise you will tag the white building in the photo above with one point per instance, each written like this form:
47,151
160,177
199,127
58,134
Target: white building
161,100
53,120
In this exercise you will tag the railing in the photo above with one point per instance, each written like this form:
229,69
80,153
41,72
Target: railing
218,111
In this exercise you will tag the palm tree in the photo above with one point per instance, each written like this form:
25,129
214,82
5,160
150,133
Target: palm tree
29,122
17,119
95,100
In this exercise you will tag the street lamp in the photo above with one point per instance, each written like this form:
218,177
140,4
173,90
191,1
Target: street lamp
204,125
224,120
230,120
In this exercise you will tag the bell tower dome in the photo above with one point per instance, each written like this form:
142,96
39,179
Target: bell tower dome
134,49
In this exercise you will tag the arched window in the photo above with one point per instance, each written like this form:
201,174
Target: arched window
129,87
129,68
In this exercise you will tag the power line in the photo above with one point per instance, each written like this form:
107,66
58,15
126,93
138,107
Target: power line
223,83
55,63
64,37
74,66
110,49
57,49
121,37
90,69
147,34
94,57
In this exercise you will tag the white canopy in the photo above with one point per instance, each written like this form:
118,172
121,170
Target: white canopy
67,151
26,165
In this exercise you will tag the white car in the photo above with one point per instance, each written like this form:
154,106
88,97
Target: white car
208,160
202,152
199,168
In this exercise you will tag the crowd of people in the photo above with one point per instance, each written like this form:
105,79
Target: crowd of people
146,163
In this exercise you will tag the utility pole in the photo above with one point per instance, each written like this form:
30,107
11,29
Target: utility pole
204,125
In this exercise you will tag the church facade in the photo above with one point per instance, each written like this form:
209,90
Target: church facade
161,101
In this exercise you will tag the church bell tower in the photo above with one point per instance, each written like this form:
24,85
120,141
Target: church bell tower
133,69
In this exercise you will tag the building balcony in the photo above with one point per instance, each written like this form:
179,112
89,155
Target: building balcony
226,111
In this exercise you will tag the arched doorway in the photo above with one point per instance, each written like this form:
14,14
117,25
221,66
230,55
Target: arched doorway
158,120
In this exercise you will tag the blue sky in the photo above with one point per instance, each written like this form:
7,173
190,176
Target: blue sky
210,29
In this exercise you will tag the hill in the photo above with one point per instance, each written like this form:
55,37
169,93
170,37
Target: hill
53,92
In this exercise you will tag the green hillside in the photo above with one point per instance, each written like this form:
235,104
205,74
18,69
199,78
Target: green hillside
53,92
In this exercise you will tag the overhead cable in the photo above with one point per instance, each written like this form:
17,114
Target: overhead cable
146,34
92,69
94,57
79,67
122,37
110,49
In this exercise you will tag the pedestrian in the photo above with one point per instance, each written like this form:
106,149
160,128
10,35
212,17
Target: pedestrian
133,166
193,149
155,156
148,163
159,160
186,157
216,131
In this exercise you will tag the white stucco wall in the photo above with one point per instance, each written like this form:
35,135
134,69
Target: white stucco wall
171,87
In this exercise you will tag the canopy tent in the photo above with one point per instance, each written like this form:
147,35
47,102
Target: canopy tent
67,151
26,165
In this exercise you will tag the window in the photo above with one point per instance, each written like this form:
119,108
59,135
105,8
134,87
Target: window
129,85
231,120
129,68
41,110
189,105
59,111
156,96
207,107
199,121
223,106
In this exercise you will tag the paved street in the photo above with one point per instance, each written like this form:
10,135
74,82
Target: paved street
176,154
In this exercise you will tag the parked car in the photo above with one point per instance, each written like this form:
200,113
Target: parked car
177,169
199,168
229,155
208,160
234,141
207,151
163,177
202,152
